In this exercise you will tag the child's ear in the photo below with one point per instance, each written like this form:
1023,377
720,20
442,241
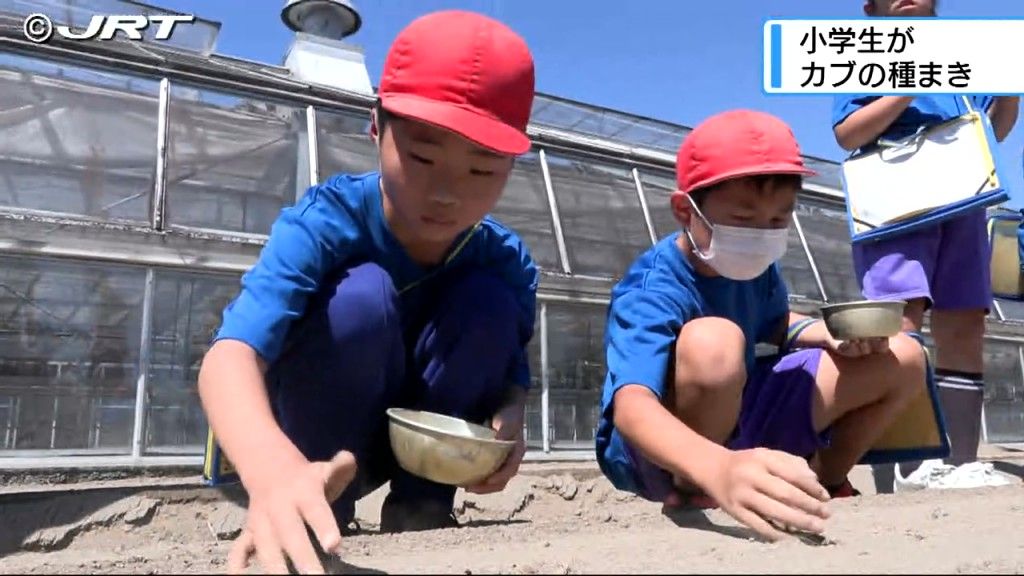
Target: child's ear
869,7
681,207
374,132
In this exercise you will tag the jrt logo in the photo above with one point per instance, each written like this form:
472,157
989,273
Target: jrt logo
39,27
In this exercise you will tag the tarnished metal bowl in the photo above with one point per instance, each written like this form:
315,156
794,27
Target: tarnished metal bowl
444,449
864,319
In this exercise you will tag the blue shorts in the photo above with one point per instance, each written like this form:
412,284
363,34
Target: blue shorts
776,413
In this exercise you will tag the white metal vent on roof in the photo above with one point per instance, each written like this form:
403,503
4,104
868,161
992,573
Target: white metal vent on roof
318,54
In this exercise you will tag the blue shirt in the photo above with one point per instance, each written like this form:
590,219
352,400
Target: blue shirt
340,224
660,293
922,111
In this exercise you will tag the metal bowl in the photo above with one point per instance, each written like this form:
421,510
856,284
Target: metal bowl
864,319
444,449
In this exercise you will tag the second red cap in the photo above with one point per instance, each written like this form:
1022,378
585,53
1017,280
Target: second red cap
464,72
734,144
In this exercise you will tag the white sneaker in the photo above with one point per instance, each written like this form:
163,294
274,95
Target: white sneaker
936,475
973,475
927,475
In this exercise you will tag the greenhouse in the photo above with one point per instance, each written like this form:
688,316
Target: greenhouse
138,181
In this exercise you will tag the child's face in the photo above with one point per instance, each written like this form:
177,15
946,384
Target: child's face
904,8
436,183
739,202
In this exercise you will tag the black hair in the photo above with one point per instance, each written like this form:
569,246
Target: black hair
761,182
382,117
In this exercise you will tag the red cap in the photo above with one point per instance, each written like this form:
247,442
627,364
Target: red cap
734,144
463,72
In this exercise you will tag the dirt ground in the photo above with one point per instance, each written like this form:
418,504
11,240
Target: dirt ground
568,521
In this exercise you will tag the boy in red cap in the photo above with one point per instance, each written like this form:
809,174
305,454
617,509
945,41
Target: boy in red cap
388,289
689,415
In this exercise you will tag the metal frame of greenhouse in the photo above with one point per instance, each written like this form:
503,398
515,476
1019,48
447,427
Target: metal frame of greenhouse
139,181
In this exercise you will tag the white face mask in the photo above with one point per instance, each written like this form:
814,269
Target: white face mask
741,253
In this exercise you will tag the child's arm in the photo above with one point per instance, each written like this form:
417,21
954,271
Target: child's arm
641,332
869,122
508,425
664,439
753,486
1003,114
284,488
800,331
750,485
237,406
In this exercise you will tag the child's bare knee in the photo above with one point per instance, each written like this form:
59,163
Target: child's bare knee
710,355
910,356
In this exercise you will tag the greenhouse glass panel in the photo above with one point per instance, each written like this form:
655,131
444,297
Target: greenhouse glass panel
70,336
601,216
607,124
577,370
796,269
186,315
658,189
524,208
1004,396
75,140
533,426
344,144
1004,390
233,162
828,238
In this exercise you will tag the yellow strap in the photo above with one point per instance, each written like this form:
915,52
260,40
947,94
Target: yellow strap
990,163
446,260
208,458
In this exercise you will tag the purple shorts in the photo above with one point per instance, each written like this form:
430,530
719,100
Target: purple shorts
776,413
947,263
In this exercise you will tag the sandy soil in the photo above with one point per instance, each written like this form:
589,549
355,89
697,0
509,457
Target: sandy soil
568,523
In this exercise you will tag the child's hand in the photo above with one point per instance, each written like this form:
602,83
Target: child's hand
760,486
858,348
278,513
508,425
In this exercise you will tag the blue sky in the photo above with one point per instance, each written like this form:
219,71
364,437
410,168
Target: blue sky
677,60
